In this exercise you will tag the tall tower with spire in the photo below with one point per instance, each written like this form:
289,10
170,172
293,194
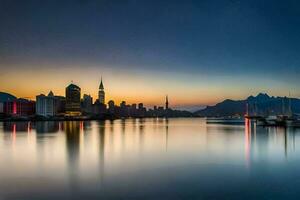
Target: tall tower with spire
167,103
101,93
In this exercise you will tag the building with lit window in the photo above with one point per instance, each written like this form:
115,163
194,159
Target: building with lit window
73,93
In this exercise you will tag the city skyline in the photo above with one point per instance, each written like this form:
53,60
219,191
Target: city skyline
149,99
120,99
77,106
100,96
197,52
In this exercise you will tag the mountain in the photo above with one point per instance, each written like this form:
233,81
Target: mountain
190,108
261,104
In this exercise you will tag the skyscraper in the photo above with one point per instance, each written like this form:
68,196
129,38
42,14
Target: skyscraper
101,93
73,100
167,103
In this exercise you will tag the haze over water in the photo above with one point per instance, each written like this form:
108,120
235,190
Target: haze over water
149,159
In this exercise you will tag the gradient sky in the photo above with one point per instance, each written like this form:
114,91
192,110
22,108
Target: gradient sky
198,52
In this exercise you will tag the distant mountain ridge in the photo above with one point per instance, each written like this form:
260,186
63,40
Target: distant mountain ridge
262,104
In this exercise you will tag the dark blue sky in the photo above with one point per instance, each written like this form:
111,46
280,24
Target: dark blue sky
256,38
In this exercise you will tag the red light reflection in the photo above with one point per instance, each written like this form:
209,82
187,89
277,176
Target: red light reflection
247,141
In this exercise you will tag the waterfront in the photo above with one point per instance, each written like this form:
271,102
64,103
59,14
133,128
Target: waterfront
180,158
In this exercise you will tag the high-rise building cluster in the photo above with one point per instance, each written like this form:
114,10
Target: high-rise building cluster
72,105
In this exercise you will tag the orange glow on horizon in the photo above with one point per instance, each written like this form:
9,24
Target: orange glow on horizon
124,87
131,86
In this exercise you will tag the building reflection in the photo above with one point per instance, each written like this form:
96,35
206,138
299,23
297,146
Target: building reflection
123,135
87,125
141,122
289,137
285,142
250,142
101,125
167,132
111,135
134,125
247,141
47,126
14,127
160,120
111,123
261,140
72,132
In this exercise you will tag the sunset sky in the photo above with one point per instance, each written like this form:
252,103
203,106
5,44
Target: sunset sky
197,52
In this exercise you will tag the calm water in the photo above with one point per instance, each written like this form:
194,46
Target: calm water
148,159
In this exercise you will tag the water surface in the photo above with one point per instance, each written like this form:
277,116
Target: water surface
148,159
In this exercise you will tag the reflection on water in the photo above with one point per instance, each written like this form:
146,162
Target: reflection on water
147,158
267,137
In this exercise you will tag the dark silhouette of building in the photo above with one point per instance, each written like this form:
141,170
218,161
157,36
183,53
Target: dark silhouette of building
133,110
111,107
87,103
167,103
19,107
60,105
99,109
101,93
141,110
73,100
124,110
